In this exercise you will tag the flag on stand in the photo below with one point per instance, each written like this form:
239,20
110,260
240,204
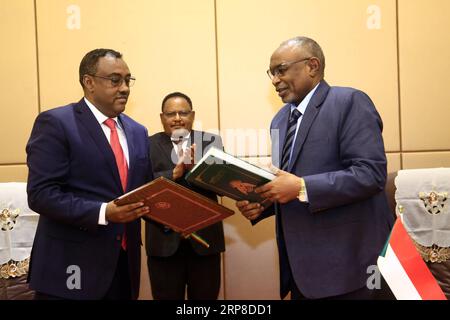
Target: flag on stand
404,269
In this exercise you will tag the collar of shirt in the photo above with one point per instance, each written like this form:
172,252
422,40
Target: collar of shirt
302,105
101,119
100,116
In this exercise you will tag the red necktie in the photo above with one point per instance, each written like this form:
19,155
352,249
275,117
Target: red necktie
120,161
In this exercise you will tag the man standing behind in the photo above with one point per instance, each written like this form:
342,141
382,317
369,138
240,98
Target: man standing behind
175,263
332,215
80,158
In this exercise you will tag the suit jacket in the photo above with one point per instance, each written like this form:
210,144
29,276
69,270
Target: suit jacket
161,241
72,171
330,242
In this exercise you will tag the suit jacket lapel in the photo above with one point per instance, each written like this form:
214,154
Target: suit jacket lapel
91,124
166,145
197,138
308,119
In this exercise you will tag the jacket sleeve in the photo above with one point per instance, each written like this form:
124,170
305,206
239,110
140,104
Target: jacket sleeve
49,167
362,156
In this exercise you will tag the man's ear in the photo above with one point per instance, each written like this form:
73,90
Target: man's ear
88,82
314,66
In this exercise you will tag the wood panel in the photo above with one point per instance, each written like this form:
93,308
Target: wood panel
19,89
169,45
424,74
358,38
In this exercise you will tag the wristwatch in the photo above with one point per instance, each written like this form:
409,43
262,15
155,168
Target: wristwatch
302,192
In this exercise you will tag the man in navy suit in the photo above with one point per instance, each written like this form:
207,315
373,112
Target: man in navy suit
80,158
332,215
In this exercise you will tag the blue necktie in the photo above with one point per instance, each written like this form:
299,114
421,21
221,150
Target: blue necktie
292,126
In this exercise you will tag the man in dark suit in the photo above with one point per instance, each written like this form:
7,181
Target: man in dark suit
332,215
175,263
80,158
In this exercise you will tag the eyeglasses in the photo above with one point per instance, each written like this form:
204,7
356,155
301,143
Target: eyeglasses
281,69
182,114
116,81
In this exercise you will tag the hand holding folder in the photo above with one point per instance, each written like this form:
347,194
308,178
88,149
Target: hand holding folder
177,207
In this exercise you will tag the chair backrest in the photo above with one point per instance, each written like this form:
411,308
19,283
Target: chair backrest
422,201
17,230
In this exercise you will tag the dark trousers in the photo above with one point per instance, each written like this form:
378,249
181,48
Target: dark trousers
120,288
170,276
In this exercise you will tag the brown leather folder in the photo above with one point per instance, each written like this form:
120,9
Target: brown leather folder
175,206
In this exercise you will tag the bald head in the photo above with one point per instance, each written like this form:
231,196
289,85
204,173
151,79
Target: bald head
296,67
307,45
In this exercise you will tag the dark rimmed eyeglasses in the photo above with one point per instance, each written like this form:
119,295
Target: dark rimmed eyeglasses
116,81
182,114
281,69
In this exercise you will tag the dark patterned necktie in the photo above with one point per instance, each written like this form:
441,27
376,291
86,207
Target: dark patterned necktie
292,126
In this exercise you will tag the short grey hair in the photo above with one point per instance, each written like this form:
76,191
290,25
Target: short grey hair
308,44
